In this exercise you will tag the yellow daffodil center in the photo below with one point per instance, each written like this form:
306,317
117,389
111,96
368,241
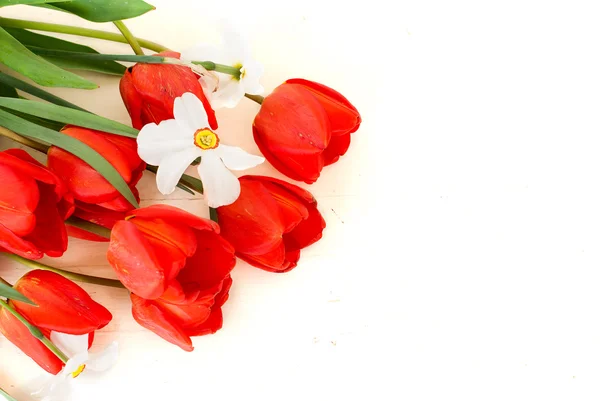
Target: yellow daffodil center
79,370
206,139
242,75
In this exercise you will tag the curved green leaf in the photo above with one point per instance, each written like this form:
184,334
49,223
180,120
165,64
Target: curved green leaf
17,57
35,41
105,10
16,83
4,3
72,145
8,292
68,116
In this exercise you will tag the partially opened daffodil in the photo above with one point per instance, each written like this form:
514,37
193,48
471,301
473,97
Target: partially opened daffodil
174,144
81,362
235,52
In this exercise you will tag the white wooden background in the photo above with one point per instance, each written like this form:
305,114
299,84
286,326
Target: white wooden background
462,254
285,336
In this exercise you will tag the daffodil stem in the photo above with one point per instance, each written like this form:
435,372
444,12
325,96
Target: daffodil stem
222,68
6,395
135,46
37,333
75,30
257,98
88,226
70,275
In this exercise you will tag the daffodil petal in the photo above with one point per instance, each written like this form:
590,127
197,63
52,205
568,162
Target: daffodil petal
221,187
251,81
105,359
172,168
228,95
156,142
70,344
234,44
236,158
202,52
189,112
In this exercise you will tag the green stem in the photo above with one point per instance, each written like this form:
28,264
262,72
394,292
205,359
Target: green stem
37,333
88,226
135,46
70,275
74,30
6,395
257,98
225,69
213,214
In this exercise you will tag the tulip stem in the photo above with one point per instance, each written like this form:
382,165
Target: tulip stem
257,98
135,46
6,395
70,275
88,226
5,132
37,333
75,30
213,214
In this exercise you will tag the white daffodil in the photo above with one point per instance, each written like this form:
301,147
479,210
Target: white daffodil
235,52
80,362
174,144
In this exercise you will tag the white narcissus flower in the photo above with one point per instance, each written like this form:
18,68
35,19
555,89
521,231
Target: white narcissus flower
235,52
80,362
174,144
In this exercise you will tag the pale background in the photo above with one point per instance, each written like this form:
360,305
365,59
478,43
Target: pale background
462,250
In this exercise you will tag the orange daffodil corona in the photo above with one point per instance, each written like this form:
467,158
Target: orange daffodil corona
174,144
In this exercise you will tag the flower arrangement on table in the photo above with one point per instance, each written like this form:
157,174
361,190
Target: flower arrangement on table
176,265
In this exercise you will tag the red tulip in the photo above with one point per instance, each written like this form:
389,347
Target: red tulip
149,90
303,126
271,222
62,306
177,266
34,203
88,185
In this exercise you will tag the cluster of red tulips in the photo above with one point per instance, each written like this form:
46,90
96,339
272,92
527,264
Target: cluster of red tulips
176,265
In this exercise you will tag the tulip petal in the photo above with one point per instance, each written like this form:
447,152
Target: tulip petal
132,257
172,168
179,236
188,315
343,116
19,335
211,325
70,344
221,187
174,215
62,305
236,158
17,245
338,146
273,260
50,233
213,261
189,112
157,142
150,316
18,200
252,224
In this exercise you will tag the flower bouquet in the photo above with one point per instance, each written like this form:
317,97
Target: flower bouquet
175,265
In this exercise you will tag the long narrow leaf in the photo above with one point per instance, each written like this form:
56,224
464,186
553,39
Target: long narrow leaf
6,395
72,145
105,10
10,293
17,57
68,116
35,41
35,91
4,3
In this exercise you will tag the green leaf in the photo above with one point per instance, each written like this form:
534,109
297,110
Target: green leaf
4,3
72,145
8,292
17,57
105,10
68,116
7,90
34,41
6,395
35,91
